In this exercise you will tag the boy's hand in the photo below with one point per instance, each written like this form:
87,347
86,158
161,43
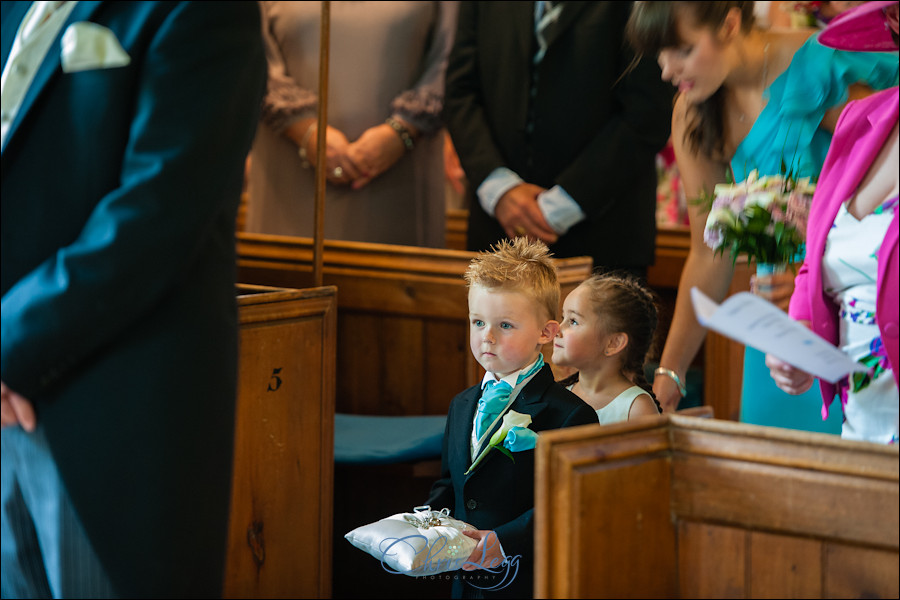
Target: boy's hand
487,554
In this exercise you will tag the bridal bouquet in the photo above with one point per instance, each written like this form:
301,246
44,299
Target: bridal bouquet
763,218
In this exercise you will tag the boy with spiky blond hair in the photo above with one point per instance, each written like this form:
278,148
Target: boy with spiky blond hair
487,462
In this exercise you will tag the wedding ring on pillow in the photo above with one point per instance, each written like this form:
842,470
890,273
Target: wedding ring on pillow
338,172
426,518
520,231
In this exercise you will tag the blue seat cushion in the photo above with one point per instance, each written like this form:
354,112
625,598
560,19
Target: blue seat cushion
371,439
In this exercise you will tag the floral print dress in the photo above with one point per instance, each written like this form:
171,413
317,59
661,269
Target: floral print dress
849,269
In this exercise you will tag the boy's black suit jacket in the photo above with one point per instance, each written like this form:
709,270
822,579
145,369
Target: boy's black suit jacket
499,494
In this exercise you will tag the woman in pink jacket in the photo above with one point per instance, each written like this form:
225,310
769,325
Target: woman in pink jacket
846,290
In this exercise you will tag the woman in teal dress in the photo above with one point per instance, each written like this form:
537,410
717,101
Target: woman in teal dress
787,136
747,99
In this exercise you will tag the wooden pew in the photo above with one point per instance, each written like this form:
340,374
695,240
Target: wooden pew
402,342
672,245
457,227
684,507
280,543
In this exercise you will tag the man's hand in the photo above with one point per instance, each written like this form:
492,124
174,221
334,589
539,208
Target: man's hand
15,410
519,214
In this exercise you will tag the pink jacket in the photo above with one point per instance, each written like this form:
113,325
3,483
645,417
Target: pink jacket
861,131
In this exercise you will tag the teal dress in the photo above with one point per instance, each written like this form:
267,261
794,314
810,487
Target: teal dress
786,138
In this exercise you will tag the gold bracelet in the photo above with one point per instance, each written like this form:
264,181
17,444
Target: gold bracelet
402,131
682,389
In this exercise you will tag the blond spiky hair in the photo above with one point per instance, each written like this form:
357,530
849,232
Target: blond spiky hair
520,265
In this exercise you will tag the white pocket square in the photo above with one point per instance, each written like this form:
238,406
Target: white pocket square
86,45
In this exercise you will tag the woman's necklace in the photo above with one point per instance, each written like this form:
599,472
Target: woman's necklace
765,75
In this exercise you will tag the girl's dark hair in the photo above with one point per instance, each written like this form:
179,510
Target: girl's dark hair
652,26
623,303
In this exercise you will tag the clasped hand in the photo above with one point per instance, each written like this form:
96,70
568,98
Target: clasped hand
519,214
359,162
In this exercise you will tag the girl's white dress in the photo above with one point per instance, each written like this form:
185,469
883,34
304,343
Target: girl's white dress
617,410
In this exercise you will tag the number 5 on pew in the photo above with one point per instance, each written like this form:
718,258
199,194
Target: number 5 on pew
275,382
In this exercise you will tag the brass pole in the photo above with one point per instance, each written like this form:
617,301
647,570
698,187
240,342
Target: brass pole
319,215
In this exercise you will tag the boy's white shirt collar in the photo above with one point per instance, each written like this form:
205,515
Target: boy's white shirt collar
511,379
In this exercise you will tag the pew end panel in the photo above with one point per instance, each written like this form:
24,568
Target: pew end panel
282,487
685,507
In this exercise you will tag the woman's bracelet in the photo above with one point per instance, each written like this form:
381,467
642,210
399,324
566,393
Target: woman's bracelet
402,131
682,389
304,159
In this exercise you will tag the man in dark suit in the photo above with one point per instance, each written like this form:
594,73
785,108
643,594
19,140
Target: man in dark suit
556,129
122,164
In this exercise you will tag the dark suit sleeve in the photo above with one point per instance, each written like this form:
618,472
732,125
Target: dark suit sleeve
638,128
194,108
464,111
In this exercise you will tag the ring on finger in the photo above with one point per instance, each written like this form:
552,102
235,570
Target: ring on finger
338,172
520,230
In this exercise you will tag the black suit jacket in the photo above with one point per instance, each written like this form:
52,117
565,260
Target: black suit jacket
499,494
596,125
120,188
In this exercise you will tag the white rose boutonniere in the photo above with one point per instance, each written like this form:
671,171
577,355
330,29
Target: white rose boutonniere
513,436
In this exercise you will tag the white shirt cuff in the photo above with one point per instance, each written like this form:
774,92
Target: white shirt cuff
560,210
500,181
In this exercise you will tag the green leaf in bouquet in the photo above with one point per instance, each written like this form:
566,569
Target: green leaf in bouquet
779,232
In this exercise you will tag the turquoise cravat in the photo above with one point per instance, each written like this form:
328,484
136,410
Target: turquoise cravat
492,402
495,397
